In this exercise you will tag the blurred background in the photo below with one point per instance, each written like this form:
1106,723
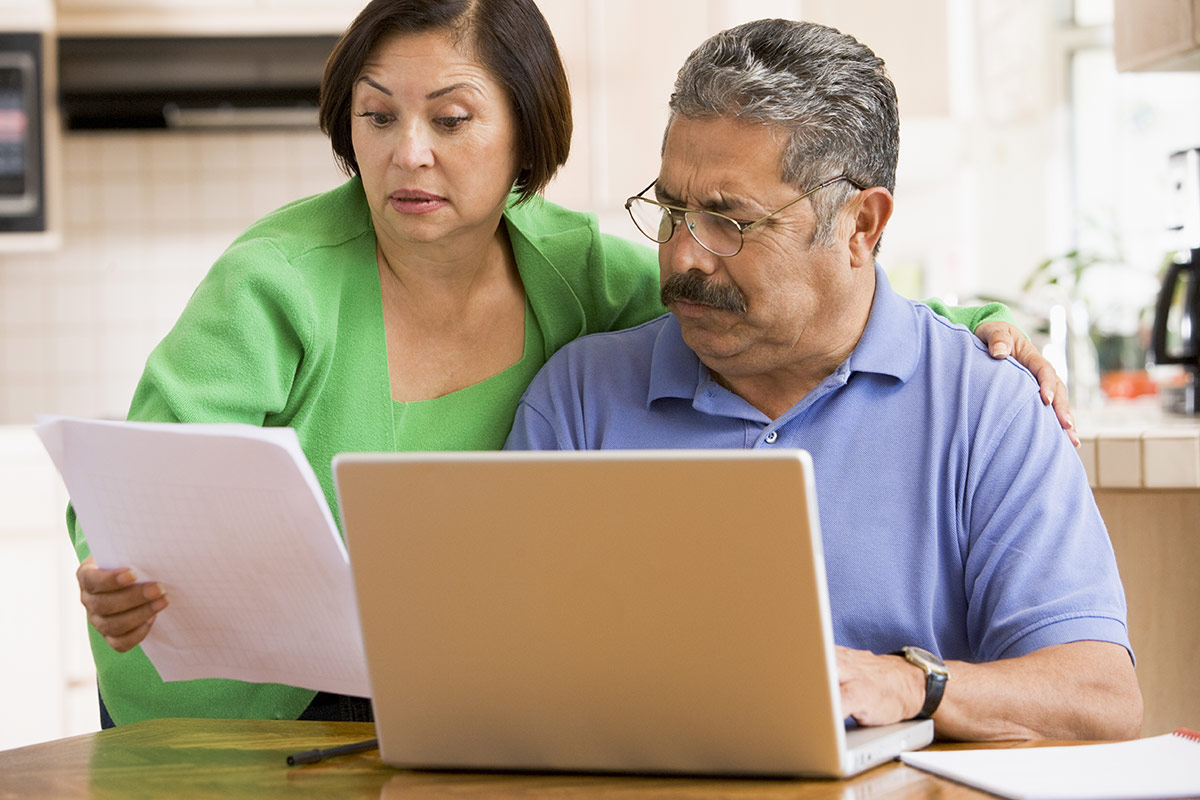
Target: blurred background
1035,168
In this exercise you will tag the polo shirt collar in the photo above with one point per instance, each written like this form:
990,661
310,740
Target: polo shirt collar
675,370
890,342
888,346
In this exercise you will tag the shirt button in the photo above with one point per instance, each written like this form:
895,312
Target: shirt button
771,437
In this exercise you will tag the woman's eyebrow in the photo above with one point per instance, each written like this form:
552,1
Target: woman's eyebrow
448,89
436,93
374,85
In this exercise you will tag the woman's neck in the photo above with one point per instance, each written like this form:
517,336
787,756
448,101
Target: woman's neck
447,272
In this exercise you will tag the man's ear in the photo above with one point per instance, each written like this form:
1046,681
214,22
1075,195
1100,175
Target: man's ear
872,209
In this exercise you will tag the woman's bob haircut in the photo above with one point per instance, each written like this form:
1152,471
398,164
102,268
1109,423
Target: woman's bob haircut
510,39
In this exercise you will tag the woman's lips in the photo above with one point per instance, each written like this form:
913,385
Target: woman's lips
415,201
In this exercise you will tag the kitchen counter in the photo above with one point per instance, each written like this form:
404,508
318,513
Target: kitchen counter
1134,444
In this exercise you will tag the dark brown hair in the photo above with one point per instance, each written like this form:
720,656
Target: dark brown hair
512,42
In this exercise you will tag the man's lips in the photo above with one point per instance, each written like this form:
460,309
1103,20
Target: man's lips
687,308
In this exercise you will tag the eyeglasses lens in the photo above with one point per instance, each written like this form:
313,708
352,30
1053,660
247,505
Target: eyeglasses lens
651,219
717,234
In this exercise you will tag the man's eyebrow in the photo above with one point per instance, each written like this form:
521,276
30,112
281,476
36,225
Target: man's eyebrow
664,196
374,85
722,205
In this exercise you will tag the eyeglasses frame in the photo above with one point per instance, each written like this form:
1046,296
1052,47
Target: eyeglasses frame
679,214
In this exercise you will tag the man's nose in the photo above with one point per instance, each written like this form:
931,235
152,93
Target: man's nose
683,253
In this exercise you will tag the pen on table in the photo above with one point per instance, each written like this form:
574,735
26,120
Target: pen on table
313,756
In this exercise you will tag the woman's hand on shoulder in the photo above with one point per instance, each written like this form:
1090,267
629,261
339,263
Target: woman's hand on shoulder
1004,339
120,608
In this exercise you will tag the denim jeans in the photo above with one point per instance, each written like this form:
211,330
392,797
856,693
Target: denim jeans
106,721
339,708
325,706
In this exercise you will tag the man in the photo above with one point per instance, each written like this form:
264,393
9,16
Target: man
957,519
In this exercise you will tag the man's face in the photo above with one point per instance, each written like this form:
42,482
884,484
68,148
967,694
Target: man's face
793,292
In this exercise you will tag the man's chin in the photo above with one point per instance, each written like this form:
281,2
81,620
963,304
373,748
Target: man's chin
709,335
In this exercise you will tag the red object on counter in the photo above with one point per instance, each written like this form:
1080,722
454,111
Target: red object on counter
1127,383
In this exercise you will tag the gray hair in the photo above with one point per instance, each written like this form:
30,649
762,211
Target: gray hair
825,89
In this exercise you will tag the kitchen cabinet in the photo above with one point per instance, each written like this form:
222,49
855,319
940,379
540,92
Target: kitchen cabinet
1156,537
1144,468
1153,35
205,17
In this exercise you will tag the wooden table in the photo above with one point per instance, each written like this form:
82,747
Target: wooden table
196,758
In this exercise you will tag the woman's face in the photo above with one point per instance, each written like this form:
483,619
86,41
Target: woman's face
435,140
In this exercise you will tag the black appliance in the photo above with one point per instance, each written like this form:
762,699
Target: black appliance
189,82
1176,335
22,167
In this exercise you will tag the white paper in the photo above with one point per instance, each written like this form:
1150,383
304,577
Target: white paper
1155,767
232,521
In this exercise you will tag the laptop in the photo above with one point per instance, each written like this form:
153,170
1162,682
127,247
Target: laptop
610,611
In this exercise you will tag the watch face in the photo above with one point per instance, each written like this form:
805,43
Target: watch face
926,659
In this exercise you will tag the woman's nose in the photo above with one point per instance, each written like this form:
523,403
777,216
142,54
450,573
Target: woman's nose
413,149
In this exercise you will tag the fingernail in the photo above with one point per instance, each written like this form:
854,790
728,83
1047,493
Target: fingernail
1000,350
154,590
159,604
127,577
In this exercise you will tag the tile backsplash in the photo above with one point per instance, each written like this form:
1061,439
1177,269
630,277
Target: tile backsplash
144,215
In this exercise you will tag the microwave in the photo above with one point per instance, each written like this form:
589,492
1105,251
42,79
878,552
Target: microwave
22,143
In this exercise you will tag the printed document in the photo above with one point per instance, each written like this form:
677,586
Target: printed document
232,521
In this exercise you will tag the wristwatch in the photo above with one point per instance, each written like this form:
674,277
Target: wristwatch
936,676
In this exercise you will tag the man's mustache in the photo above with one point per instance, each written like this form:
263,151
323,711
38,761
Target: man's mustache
691,288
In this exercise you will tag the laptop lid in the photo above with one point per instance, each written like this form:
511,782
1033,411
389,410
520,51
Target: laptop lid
630,611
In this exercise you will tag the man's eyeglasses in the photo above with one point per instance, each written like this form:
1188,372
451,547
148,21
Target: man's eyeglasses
718,234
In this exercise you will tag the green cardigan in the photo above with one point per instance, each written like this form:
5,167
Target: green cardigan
287,329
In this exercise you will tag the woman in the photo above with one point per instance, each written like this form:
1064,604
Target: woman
405,310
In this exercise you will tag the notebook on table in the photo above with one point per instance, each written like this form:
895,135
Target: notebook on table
636,611
1167,765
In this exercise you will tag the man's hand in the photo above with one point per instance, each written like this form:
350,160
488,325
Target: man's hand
1004,339
879,690
1081,690
119,607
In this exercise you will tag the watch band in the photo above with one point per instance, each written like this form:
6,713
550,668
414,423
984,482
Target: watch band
936,676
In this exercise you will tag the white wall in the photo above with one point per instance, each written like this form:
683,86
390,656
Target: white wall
145,213
45,667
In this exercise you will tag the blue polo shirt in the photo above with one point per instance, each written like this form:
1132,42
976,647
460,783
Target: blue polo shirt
955,514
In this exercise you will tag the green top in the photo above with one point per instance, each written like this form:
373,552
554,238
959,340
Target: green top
477,417
287,329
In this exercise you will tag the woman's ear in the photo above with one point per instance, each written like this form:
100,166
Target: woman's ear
872,209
